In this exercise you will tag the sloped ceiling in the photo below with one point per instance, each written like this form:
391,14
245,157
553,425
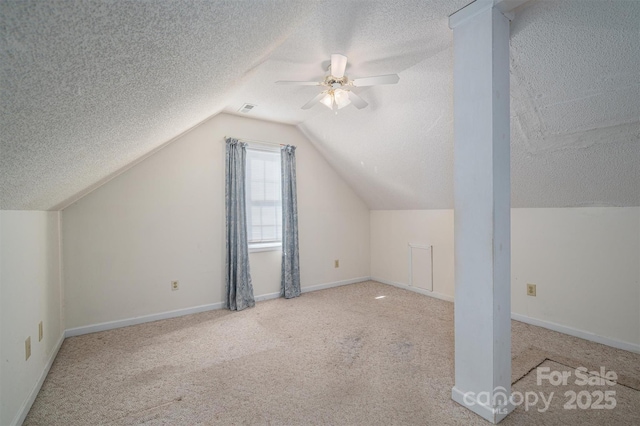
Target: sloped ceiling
89,87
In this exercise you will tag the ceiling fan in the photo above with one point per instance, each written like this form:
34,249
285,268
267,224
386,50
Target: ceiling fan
337,86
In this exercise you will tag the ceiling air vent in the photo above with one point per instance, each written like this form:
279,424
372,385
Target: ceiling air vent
246,108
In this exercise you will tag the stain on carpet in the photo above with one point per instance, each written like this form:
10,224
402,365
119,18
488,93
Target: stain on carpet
403,350
350,347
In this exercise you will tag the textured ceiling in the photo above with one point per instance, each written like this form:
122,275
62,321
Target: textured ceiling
89,87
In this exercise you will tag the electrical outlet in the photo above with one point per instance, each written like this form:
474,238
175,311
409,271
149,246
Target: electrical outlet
27,348
40,332
174,285
531,290
336,263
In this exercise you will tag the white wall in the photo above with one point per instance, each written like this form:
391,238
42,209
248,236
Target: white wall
585,263
163,220
393,230
31,292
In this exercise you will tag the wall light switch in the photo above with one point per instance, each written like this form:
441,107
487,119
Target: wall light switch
531,290
336,263
40,332
27,348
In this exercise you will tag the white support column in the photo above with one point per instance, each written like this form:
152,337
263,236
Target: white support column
482,210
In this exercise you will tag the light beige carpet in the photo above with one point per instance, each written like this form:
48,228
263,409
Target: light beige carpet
335,357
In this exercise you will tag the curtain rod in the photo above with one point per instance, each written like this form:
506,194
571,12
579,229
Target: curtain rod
255,141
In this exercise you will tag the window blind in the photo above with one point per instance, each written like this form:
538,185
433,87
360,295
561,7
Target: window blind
263,191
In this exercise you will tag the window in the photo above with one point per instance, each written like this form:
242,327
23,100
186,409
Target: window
264,205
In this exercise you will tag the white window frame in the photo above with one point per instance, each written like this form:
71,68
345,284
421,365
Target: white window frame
266,245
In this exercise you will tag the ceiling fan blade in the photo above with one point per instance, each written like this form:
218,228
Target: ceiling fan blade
301,83
338,65
378,79
314,101
357,101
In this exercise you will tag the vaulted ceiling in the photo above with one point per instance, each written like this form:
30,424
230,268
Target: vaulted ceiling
87,88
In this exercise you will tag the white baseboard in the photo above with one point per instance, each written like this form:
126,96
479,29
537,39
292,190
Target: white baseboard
267,296
334,284
26,405
415,289
311,288
490,413
627,346
139,320
188,311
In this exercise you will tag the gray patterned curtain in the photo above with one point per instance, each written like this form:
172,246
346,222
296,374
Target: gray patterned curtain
290,285
239,293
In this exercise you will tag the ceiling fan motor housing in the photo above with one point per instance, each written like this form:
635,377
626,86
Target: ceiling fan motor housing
331,81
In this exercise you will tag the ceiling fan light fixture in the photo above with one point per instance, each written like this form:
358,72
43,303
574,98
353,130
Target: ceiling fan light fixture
327,100
341,98
336,99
